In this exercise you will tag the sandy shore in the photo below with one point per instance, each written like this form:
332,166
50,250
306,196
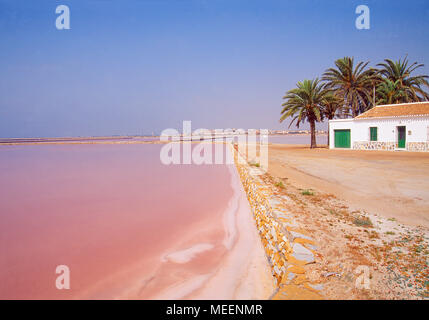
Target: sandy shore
393,184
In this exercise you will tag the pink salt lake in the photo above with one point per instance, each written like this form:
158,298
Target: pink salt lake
127,226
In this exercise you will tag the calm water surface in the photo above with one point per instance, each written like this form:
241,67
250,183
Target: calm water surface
113,214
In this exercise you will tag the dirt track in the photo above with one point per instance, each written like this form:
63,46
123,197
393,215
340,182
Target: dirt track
391,184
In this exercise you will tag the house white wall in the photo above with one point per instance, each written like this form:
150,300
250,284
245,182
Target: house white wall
417,129
340,124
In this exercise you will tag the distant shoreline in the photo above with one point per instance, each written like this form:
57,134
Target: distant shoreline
124,137
76,140
296,134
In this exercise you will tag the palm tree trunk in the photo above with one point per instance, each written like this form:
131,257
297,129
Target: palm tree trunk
354,110
329,118
313,134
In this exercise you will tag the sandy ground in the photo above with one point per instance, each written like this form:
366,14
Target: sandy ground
367,213
394,184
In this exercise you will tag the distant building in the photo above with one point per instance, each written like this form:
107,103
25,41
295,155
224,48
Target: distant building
387,127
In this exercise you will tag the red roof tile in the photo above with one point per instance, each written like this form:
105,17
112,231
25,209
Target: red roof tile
397,110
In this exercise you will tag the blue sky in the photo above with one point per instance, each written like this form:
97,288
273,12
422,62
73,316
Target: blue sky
133,67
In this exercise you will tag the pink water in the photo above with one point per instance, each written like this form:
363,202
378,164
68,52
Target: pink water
112,214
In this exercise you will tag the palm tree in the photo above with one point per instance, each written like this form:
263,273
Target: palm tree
330,107
376,79
412,85
352,83
390,92
304,103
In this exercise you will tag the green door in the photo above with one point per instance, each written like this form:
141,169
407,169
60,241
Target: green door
342,138
373,133
401,137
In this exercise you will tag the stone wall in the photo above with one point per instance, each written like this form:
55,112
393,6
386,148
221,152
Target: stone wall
288,247
287,250
374,145
276,244
390,146
418,146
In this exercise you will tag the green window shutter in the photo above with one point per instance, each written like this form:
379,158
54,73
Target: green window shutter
373,133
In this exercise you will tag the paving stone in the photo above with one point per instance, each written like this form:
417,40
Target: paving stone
274,202
299,235
316,286
291,224
286,198
291,276
302,253
311,247
282,214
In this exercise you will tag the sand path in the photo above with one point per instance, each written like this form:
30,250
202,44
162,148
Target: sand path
393,184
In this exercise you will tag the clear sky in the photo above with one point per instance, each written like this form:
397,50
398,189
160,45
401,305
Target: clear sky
133,67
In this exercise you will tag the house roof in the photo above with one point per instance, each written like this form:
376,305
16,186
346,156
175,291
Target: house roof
397,110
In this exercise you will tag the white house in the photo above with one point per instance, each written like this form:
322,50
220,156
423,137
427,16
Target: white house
388,127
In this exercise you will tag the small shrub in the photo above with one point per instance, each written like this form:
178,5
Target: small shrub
418,249
377,255
391,233
254,164
280,185
307,193
374,235
363,222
